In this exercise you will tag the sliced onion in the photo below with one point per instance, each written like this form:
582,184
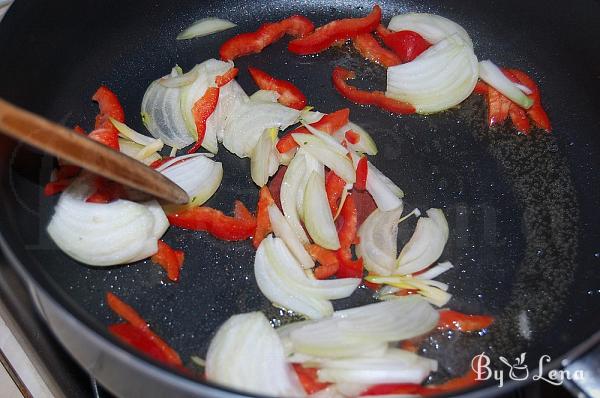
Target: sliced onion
378,245
293,185
281,279
433,291
150,149
308,116
385,193
129,133
324,153
311,165
198,176
244,129
263,157
523,88
435,271
426,245
286,157
359,330
179,80
282,230
317,214
105,234
438,79
247,354
433,28
365,144
132,149
162,115
265,96
395,366
231,97
327,139
492,75
205,27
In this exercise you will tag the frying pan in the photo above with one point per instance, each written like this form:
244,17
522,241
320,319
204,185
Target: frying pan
522,210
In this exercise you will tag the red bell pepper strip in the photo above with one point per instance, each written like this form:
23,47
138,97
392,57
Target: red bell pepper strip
407,44
377,98
536,112
106,136
327,259
309,379
169,259
334,186
289,94
455,320
347,229
498,106
226,77
371,285
324,36
255,42
349,268
352,137
329,123
362,170
368,46
223,227
106,191
159,162
202,109
263,222
134,337
519,118
54,187
79,130
392,389
168,355
109,107
63,176
480,88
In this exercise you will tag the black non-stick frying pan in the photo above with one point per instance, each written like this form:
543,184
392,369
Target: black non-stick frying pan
523,211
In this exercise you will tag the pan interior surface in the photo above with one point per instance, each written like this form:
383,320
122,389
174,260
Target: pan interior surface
522,210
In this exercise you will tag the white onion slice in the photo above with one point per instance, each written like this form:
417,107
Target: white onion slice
311,165
332,142
282,230
433,291
317,214
198,176
523,88
435,271
359,330
161,114
231,97
378,245
265,96
492,75
309,117
179,80
205,27
433,28
395,366
292,186
133,150
365,144
426,245
387,195
281,279
105,234
263,157
438,79
247,354
129,133
324,153
243,130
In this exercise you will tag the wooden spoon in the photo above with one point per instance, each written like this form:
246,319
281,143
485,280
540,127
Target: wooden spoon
64,143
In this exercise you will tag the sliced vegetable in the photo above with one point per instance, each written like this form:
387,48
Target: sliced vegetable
318,219
231,99
202,110
455,320
216,223
267,34
433,291
369,48
498,107
136,151
205,27
289,94
110,107
198,175
362,169
105,191
263,223
280,278
433,28
309,379
328,155
170,259
395,366
492,75
438,79
129,133
361,330
334,186
362,97
105,234
378,245
324,36
364,143
178,79
426,245
407,44
536,112
292,187
327,259
247,354
282,230
434,271
263,159
385,193
347,231
106,137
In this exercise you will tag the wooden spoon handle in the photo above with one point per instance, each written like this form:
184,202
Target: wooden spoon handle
82,151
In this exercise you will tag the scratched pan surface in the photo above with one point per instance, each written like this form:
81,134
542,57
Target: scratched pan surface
522,210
